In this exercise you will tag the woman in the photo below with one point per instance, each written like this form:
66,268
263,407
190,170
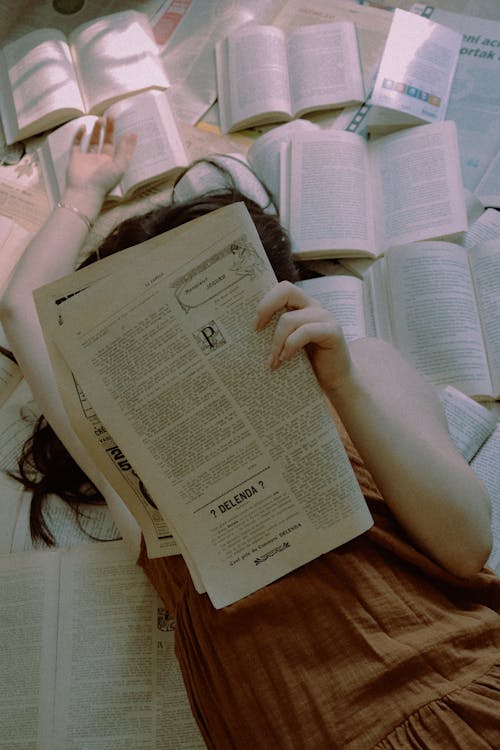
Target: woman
390,641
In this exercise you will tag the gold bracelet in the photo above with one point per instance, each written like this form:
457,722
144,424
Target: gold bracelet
89,224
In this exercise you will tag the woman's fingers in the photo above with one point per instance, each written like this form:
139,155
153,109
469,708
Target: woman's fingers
283,296
109,136
77,140
95,136
296,329
125,149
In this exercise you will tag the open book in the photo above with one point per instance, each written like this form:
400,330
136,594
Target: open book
436,302
266,76
46,78
475,431
344,196
166,354
88,654
159,154
416,71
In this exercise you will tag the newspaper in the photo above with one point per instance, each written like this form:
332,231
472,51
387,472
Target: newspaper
244,463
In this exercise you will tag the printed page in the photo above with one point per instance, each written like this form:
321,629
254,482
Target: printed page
41,80
22,194
171,362
54,155
252,75
14,431
159,152
417,67
29,583
10,377
488,190
435,320
342,296
92,524
264,154
105,651
106,69
469,423
206,176
104,451
173,722
13,241
330,209
487,467
475,95
418,190
372,26
324,67
486,227
485,266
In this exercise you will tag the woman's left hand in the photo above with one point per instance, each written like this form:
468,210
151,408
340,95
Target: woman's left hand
305,324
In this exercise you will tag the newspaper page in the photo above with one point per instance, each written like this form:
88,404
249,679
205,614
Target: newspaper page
246,461
475,95
105,452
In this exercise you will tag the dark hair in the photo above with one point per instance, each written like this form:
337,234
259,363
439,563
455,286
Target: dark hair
45,466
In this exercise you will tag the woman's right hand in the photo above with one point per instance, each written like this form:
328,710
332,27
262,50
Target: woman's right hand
92,173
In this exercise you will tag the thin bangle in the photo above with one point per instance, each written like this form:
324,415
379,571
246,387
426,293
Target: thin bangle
88,223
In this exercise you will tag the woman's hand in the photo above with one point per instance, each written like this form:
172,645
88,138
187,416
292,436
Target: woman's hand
97,170
304,324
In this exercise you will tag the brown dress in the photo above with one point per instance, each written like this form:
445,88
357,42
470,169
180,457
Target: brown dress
369,647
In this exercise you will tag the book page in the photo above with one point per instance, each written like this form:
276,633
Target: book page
115,56
10,376
488,190
417,67
173,366
13,241
159,152
324,67
54,155
43,86
28,628
485,266
205,176
372,26
173,721
487,467
434,315
330,195
252,72
486,227
105,651
417,188
14,431
264,154
342,296
469,423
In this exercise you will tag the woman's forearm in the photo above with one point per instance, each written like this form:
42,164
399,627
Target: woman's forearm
396,422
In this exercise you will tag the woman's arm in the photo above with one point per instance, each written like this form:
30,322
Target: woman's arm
52,253
396,422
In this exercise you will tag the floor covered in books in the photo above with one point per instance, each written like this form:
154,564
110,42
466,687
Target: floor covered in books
186,31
